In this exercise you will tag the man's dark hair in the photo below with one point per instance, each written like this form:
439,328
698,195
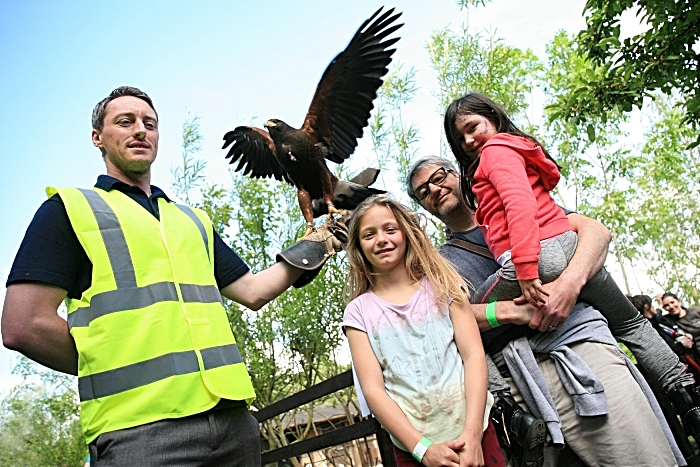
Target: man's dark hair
98,113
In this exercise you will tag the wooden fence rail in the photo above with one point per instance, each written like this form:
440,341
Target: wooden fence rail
370,426
365,427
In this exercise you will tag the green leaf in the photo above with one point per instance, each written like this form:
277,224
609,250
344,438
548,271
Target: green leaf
590,130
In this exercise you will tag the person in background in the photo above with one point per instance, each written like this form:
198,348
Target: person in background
681,342
688,319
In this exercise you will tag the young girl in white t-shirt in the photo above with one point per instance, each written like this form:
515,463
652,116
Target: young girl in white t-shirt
415,344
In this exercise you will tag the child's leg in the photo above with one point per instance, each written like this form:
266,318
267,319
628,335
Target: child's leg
628,325
504,285
601,292
490,447
501,285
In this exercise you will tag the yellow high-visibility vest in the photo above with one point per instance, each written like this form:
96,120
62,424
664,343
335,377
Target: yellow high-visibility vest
151,331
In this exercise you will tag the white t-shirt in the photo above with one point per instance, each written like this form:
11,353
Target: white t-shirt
422,368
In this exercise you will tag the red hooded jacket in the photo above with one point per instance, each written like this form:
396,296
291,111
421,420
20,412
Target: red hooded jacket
515,210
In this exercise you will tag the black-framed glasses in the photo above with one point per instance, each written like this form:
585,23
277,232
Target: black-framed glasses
422,191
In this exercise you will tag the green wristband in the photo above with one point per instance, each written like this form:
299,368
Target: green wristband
421,448
491,315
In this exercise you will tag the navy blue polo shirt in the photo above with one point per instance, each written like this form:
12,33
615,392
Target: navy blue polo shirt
50,251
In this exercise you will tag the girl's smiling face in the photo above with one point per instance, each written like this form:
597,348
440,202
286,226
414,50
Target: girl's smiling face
382,241
474,131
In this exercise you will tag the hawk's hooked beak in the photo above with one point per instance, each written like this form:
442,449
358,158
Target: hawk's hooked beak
270,124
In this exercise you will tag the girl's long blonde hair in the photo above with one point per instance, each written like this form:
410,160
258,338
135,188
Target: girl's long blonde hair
421,259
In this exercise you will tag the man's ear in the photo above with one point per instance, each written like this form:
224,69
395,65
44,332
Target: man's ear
97,142
96,139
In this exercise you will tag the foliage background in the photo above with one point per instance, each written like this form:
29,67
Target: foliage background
577,98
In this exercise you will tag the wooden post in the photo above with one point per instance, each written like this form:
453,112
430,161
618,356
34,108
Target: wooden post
386,447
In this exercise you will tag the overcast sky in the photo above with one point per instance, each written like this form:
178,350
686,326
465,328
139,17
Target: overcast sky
226,61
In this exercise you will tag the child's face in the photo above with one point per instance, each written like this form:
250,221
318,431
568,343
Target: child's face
474,130
381,240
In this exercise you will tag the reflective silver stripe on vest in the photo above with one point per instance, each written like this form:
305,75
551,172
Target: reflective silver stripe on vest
223,355
109,383
113,238
187,210
136,298
200,293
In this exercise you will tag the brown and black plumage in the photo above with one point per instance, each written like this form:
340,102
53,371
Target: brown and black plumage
339,111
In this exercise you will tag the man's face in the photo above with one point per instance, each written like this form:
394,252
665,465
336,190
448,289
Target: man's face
445,199
672,306
129,136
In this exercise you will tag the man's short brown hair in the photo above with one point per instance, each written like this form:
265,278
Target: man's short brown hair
98,113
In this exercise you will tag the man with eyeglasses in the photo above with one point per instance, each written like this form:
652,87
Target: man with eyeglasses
434,183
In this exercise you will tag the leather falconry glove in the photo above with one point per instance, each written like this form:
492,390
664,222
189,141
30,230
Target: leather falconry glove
311,252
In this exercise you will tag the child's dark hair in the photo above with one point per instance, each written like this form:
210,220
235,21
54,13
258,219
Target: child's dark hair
474,103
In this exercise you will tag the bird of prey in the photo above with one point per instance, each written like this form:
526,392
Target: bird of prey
339,111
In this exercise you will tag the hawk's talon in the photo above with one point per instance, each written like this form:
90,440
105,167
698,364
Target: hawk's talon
309,230
333,210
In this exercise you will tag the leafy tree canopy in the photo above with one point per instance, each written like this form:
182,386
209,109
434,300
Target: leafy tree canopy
666,57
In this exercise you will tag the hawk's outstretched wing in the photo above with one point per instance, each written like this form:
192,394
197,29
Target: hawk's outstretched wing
255,151
340,108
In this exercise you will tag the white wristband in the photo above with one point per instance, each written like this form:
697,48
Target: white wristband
421,448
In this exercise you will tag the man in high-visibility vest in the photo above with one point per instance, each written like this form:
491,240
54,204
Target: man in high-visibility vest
160,376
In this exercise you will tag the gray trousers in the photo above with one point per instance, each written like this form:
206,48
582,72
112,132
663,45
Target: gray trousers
217,437
629,435
603,294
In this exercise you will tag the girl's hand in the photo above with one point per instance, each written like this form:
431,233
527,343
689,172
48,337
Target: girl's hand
471,455
443,454
534,292
562,298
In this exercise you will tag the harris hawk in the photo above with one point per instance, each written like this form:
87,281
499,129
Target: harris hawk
339,111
